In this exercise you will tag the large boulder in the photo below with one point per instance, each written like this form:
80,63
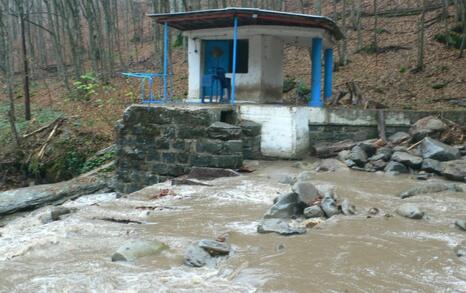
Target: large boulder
455,170
432,166
329,206
368,146
427,126
314,211
407,159
133,250
196,256
307,192
286,206
434,149
279,226
358,156
411,211
215,248
399,138
396,167
385,152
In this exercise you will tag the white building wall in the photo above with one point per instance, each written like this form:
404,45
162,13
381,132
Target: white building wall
285,129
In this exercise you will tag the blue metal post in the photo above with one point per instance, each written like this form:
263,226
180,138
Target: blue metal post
165,61
233,73
316,86
328,77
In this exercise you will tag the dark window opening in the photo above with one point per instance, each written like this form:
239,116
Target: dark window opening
242,57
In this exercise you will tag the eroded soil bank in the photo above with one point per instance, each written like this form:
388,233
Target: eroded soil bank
382,253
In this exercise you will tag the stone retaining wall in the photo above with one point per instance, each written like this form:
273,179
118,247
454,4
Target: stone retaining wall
332,125
157,143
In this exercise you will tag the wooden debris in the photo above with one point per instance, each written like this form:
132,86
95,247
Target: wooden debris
56,121
121,221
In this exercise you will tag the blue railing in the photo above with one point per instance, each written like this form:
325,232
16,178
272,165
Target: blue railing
162,94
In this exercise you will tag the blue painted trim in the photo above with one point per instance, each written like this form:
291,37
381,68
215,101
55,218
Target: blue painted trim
165,61
328,73
233,71
316,86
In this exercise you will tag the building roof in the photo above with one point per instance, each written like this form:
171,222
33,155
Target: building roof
221,18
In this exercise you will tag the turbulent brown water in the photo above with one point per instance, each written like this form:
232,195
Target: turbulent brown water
344,254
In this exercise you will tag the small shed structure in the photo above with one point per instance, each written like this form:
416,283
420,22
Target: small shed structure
237,54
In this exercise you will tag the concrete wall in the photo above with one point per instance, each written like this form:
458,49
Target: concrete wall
285,129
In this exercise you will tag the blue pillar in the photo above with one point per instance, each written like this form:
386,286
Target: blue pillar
328,77
233,71
316,86
165,61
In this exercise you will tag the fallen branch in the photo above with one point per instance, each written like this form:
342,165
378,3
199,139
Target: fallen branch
120,221
415,145
58,120
42,150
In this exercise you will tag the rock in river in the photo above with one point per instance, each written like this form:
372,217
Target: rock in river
279,226
304,176
431,188
313,212
460,224
358,156
306,191
396,167
409,210
285,206
329,206
434,149
133,250
347,208
196,256
455,170
460,249
407,159
431,166
215,248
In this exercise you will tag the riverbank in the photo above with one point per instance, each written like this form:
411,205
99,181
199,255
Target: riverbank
382,252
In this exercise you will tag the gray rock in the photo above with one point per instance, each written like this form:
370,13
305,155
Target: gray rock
432,166
368,146
411,211
215,248
407,159
369,167
313,212
224,131
377,157
434,149
399,137
57,212
133,250
329,206
347,208
386,152
250,128
330,165
427,126
358,156
460,249
343,155
460,224
379,165
423,176
279,226
285,206
29,198
396,167
431,188
350,163
306,191
286,179
197,257
455,170
304,176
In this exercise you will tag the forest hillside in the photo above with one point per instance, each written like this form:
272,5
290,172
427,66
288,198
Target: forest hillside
61,63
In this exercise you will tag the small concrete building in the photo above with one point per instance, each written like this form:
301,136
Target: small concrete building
248,46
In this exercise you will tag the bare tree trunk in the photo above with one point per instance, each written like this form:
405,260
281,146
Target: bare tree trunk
344,43
420,40
463,40
26,93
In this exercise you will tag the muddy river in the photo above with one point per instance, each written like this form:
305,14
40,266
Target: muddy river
345,254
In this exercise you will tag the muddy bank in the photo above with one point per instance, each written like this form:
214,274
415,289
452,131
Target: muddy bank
357,253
